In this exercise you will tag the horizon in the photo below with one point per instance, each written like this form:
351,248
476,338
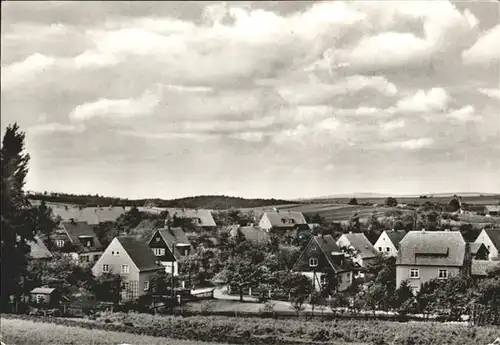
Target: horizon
284,100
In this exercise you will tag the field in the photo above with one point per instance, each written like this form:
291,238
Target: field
332,211
24,332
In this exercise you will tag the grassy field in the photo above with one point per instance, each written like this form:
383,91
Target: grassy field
24,332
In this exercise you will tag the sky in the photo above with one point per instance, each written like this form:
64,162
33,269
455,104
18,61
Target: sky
254,99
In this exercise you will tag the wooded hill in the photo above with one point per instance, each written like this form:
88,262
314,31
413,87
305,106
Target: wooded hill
202,201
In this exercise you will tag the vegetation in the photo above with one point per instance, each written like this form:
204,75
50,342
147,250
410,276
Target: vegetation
202,201
261,331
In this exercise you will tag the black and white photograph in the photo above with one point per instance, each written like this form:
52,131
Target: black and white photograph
250,172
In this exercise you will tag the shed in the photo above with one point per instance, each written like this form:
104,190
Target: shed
45,296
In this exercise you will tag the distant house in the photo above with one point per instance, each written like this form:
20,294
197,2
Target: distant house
169,245
79,239
45,297
252,233
323,261
388,242
38,250
281,221
492,210
426,255
134,261
479,251
481,268
365,253
491,239
91,215
199,217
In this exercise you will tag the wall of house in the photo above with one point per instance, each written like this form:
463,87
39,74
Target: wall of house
426,273
145,277
168,267
89,258
345,279
265,223
383,243
484,238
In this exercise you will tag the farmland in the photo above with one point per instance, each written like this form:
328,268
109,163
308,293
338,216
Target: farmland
25,332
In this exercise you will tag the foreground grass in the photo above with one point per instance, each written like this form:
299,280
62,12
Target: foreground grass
24,332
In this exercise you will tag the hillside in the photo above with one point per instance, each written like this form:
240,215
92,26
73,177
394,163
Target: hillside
202,201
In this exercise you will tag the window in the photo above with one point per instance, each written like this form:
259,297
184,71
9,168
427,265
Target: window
125,269
89,243
96,257
60,243
388,249
39,299
324,280
443,274
115,253
126,286
105,268
379,249
414,273
159,251
313,262
84,258
146,285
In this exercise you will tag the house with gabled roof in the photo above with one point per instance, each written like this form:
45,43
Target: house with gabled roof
251,233
282,221
38,250
479,251
78,239
169,245
491,239
388,242
364,252
492,210
131,258
426,255
482,268
324,263
198,217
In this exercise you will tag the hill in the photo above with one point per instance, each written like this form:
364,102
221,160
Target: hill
202,201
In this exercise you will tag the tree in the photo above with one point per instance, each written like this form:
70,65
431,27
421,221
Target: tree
108,288
354,224
46,223
403,298
391,202
17,221
353,201
453,205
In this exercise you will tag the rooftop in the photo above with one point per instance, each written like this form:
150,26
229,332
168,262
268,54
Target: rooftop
140,253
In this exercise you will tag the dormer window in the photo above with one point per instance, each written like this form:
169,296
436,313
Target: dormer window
313,262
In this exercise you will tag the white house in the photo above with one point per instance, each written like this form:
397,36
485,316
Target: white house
388,242
491,239
365,252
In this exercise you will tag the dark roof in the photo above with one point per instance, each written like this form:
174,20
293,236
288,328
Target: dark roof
75,229
38,250
174,235
362,245
140,253
396,236
328,246
494,235
204,216
251,233
277,218
482,267
432,248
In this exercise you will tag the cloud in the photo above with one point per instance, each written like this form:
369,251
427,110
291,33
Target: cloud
493,93
116,108
25,70
436,99
413,144
465,114
486,49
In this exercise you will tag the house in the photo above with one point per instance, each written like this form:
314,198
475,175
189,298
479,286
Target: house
426,255
168,245
478,251
365,253
92,215
492,210
198,217
481,268
38,250
388,242
252,233
79,240
45,297
133,260
323,262
282,221
491,239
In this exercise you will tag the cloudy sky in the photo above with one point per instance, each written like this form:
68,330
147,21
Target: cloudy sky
255,99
